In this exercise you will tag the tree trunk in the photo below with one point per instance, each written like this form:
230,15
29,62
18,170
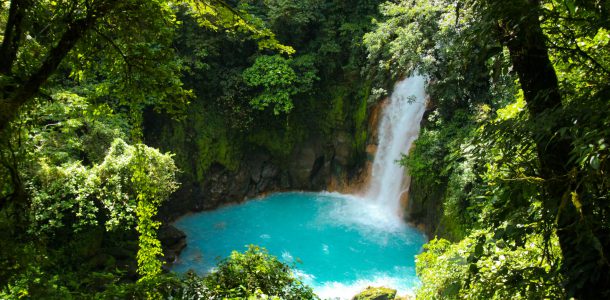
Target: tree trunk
12,101
12,34
584,266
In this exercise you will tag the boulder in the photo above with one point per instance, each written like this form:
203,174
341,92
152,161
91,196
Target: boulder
173,241
376,293
170,235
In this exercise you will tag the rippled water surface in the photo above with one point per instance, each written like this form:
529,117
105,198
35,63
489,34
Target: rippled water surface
340,243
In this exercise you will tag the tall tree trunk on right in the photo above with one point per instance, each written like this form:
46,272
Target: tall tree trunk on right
584,264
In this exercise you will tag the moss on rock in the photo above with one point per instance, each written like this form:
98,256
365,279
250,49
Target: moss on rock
376,293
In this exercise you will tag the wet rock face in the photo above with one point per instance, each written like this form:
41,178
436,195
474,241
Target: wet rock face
425,207
220,167
173,241
343,148
311,166
300,169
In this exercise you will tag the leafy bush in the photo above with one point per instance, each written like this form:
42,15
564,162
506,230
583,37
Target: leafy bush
279,81
482,266
255,274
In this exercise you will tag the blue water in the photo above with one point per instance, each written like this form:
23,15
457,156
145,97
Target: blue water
341,244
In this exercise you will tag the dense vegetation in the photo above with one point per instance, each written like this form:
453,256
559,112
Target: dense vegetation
518,125
80,191
250,99
519,91
80,84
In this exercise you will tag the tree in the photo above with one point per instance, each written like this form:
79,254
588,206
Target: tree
587,275
18,87
278,81
75,77
529,172
35,43
254,274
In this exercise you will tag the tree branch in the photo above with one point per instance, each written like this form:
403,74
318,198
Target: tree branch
585,55
116,47
12,35
26,91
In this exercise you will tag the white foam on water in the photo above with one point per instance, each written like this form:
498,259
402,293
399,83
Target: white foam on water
287,257
359,213
345,291
304,276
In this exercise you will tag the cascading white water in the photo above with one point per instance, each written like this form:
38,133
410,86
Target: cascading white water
398,128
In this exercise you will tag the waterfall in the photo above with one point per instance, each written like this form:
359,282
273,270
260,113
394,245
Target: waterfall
398,128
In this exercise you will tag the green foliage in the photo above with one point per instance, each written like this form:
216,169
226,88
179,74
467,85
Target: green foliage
293,20
161,286
222,123
154,180
279,143
445,40
217,15
64,189
483,266
489,164
293,14
360,119
428,154
255,274
78,192
214,143
488,182
26,278
398,43
372,293
80,176
135,172
279,82
276,78
337,111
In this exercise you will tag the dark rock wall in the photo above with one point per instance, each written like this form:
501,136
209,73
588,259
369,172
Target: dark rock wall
324,150
425,201
311,166
424,207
